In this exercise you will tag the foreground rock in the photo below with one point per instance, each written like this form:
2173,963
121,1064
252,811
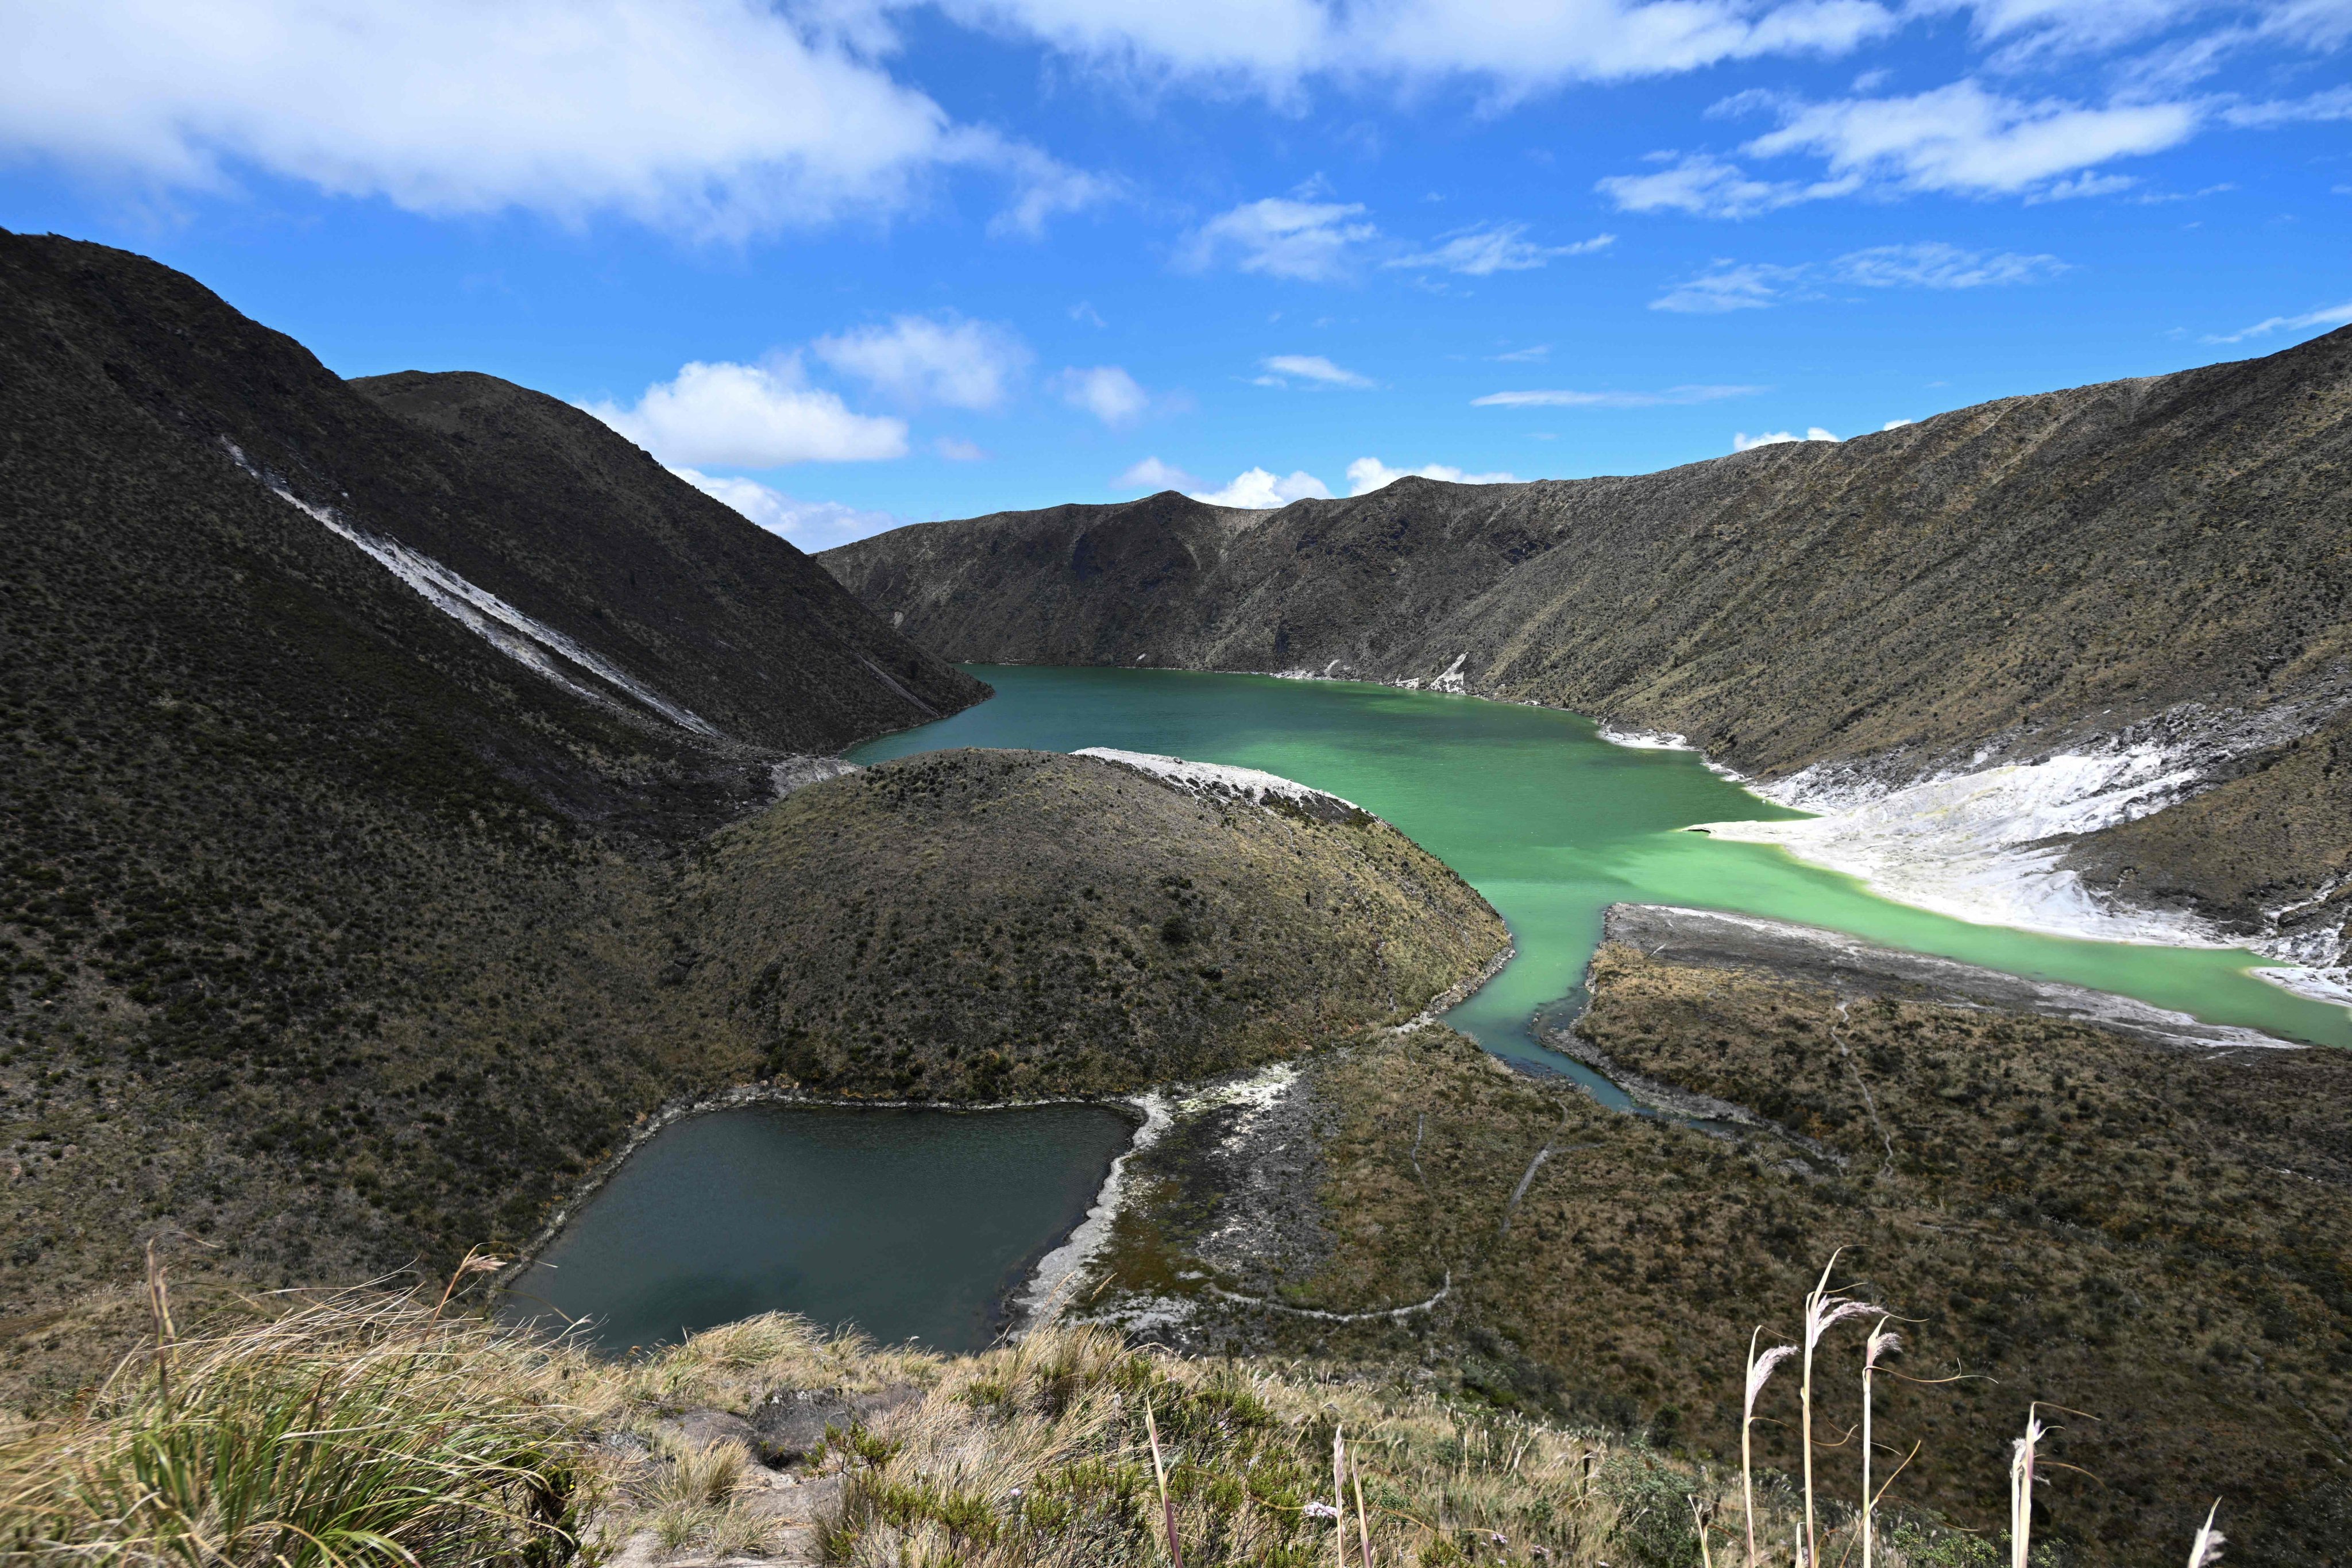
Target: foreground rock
2150,1228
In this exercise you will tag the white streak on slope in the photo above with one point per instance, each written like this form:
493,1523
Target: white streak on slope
519,637
1216,781
1977,846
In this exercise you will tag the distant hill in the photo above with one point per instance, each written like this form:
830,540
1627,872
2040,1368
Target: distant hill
350,730
2167,560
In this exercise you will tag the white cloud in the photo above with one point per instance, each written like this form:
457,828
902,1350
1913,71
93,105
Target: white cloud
1483,251
1896,424
1106,391
1523,356
1152,474
1728,286
1566,399
1282,370
1926,264
1706,186
2333,103
749,416
1934,265
1960,138
1271,45
920,359
2034,32
2326,316
1366,475
1963,139
1744,442
956,449
829,523
1257,489
1311,242
718,119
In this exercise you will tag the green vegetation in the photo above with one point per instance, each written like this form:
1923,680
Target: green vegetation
1000,925
364,1429
2153,1236
357,1430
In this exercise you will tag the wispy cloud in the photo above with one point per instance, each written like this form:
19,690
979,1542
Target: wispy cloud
1528,355
1486,249
1273,44
1280,237
1312,370
2333,103
1961,139
1729,285
1932,263
1562,398
2326,316
1706,186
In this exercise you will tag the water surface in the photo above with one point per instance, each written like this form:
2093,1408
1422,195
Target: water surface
1553,825
911,1224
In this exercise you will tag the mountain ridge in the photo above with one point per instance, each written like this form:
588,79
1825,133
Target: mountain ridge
1994,585
332,917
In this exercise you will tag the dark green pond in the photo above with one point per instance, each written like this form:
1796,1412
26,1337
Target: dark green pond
911,1225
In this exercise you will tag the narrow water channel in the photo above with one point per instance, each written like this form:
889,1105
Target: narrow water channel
1553,825
909,1224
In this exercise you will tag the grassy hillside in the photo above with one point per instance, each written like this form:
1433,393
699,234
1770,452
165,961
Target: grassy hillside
243,1442
2154,1236
1006,924
1995,581
331,934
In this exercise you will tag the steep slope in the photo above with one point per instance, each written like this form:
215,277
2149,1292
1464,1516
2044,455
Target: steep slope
2162,563
987,925
330,924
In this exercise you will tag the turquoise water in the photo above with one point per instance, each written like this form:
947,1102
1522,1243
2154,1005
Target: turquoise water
1552,824
912,1225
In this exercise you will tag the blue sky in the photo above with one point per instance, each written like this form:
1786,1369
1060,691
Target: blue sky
850,263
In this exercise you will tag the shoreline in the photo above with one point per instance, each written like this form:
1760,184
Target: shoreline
2016,880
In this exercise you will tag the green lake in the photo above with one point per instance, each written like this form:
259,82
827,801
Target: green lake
918,1224
1553,824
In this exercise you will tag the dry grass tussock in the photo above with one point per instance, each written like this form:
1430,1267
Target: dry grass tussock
353,1428
1073,1448
368,1429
